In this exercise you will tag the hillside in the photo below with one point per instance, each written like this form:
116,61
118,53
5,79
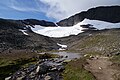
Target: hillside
104,41
15,35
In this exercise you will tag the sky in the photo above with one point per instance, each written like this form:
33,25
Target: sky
50,10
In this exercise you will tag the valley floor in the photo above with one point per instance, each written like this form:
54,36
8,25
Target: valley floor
88,67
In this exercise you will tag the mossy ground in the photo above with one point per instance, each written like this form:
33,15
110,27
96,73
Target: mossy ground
74,70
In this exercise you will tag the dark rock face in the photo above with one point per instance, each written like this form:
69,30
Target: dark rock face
39,22
12,38
108,14
72,20
88,27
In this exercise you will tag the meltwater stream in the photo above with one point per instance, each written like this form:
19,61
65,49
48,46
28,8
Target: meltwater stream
45,69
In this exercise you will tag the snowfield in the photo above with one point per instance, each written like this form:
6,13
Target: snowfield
101,24
72,30
58,31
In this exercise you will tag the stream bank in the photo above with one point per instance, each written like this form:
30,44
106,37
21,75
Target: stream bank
45,69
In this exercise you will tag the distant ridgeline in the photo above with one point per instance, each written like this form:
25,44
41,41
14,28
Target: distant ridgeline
102,13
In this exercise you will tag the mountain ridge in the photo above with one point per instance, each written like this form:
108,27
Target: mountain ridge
102,13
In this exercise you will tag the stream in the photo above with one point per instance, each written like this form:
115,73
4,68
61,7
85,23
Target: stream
45,69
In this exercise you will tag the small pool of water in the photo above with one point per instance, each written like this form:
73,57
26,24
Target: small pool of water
68,55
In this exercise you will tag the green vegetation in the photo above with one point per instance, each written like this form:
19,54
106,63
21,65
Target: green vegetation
116,64
116,59
10,63
48,55
74,70
10,68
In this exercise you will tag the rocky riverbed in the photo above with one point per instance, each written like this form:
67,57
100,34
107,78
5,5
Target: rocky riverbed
45,69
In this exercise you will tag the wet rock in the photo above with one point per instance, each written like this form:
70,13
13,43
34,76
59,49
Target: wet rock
60,68
44,68
38,69
32,75
20,78
66,56
48,78
8,78
54,69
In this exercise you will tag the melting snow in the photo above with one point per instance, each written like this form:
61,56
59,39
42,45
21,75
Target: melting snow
58,31
72,30
63,47
100,24
23,31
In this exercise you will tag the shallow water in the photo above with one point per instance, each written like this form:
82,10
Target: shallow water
69,55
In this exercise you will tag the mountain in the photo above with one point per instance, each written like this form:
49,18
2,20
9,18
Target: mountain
23,23
16,35
34,35
102,13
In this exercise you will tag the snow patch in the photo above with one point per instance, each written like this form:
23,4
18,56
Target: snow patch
100,24
58,31
63,47
23,31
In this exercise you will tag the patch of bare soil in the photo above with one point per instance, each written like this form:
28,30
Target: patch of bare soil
101,68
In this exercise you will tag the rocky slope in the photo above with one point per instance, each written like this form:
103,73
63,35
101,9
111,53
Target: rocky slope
103,13
105,41
15,35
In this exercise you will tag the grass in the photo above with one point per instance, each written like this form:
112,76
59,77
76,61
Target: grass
9,68
116,65
10,63
116,59
74,70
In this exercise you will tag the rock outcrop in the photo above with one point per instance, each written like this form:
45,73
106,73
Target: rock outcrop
102,13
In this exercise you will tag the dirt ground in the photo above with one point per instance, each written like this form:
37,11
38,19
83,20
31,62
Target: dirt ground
101,68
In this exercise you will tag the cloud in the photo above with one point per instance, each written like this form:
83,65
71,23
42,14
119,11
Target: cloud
25,6
60,9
